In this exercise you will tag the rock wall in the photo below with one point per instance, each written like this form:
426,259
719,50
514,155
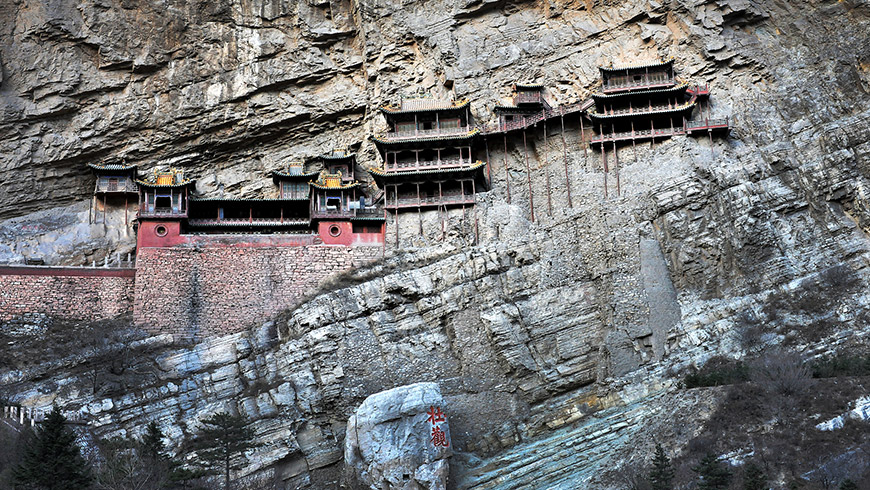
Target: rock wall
66,293
193,292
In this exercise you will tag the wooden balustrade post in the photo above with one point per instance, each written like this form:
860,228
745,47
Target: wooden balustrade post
565,155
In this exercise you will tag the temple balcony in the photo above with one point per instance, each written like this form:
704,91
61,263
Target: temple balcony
341,214
429,201
112,187
162,213
415,166
626,83
426,133
242,222
707,125
637,135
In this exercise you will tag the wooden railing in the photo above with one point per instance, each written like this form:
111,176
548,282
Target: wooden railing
346,213
426,133
522,122
528,98
161,213
638,134
646,109
707,124
413,202
426,165
645,82
117,187
248,221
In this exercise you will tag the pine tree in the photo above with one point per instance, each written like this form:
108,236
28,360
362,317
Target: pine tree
52,460
662,474
714,475
848,484
223,442
152,442
754,478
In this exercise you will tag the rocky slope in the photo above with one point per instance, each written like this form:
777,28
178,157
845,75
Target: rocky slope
555,343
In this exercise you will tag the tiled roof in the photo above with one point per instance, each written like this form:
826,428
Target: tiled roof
385,141
379,172
675,88
424,105
112,167
638,66
183,183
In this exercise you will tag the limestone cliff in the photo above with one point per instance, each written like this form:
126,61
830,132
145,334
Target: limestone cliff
555,343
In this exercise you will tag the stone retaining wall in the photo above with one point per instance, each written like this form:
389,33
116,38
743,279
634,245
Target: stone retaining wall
215,291
69,293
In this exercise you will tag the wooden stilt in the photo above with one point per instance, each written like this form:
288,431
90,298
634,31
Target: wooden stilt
440,204
126,214
565,154
529,177
633,144
616,166
397,221
604,161
474,210
547,166
104,209
583,136
92,213
486,145
507,173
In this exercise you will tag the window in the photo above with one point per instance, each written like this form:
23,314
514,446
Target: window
452,123
163,204
295,190
405,127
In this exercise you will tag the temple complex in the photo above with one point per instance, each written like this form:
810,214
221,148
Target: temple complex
428,157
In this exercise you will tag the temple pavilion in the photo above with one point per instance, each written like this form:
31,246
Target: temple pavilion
428,155
114,182
646,102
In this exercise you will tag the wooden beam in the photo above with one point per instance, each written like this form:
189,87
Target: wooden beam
529,177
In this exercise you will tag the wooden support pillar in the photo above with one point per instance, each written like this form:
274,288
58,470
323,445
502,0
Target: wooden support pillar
474,209
126,214
397,221
440,203
583,137
565,155
486,146
604,162
616,165
547,166
104,208
529,177
282,215
92,213
507,173
652,133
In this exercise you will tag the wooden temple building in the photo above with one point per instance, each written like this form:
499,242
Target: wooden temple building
327,205
428,157
646,102
114,183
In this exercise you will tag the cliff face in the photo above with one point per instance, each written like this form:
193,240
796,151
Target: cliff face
588,310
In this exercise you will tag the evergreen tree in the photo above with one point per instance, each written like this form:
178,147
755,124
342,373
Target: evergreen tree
754,478
662,474
52,460
713,474
848,484
223,442
152,442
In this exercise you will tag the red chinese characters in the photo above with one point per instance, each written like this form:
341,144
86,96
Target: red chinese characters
439,437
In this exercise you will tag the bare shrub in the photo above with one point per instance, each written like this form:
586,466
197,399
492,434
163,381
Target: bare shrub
780,372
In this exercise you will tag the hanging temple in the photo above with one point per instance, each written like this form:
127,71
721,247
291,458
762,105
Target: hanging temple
430,160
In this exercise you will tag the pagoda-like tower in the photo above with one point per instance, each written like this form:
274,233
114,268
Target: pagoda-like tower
339,206
428,157
163,206
640,102
115,182
528,102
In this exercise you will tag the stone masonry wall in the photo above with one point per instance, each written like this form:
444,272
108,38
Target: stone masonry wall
215,291
84,294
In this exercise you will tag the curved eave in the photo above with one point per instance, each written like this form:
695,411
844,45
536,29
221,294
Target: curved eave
529,86
336,157
241,200
276,174
675,88
113,168
606,69
186,183
396,110
686,108
412,139
380,175
339,188
368,218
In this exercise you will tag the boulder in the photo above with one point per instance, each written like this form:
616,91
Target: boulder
399,439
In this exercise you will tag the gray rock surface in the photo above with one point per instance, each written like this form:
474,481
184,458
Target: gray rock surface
389,441
557,344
